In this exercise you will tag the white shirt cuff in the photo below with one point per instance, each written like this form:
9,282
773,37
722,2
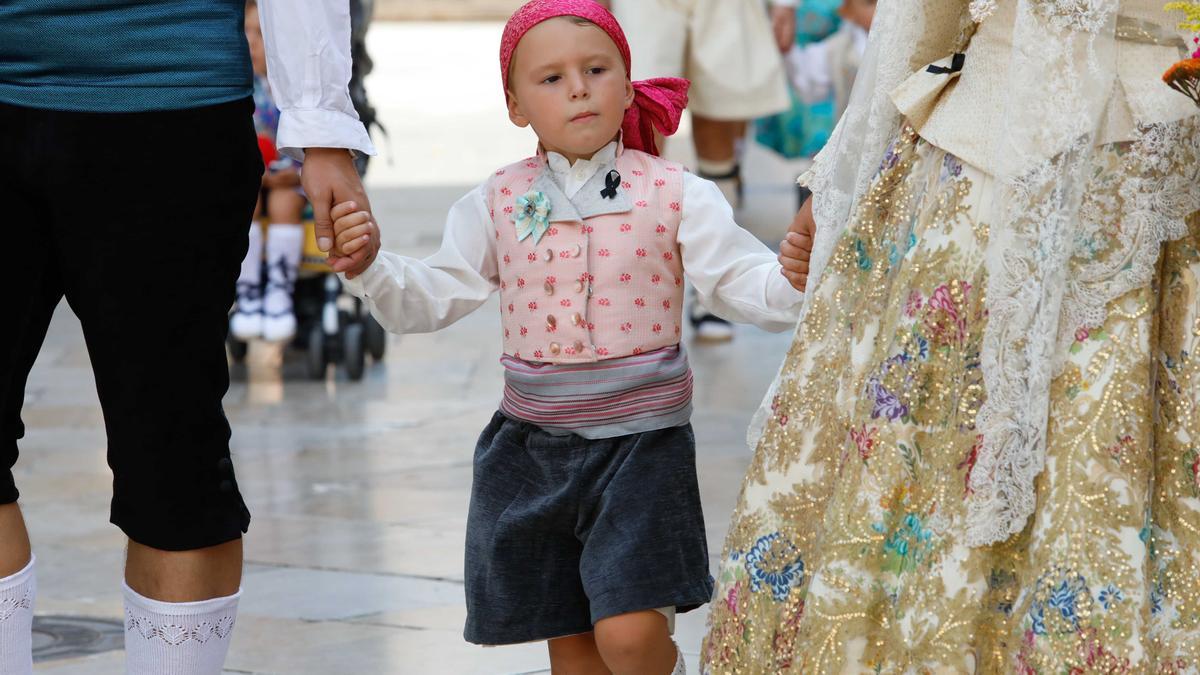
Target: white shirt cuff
316,128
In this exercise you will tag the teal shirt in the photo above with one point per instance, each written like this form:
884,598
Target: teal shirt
123,55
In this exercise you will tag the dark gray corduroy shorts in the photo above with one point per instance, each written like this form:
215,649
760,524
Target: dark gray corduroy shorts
564,531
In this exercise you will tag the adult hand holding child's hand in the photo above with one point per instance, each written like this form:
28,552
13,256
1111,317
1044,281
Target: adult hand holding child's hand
330,178
796,248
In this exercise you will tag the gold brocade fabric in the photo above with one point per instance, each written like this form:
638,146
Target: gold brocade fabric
844,554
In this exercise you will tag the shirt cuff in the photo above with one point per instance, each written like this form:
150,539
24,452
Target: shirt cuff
316,128
365,285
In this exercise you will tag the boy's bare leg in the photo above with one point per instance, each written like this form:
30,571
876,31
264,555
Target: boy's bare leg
638,643
14,553
576,655
185,576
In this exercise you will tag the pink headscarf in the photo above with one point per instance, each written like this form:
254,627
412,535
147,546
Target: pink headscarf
658,102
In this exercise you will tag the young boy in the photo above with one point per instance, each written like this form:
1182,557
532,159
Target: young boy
585,527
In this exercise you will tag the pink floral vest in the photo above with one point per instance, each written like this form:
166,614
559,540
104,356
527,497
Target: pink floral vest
606,279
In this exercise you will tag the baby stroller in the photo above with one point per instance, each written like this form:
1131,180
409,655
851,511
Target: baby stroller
332,326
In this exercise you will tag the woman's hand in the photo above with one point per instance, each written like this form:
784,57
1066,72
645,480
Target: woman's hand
796,248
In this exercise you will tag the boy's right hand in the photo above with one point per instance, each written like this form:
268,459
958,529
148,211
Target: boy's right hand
796,248
353,228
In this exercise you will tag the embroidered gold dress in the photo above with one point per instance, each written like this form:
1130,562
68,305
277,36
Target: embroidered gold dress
853,549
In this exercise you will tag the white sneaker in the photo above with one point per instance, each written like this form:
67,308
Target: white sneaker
246,326
278,327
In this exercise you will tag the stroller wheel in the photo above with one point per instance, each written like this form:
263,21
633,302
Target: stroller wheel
376,337
317,358
354,350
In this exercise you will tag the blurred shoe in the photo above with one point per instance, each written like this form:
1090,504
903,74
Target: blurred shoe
247,321
278,327
710,327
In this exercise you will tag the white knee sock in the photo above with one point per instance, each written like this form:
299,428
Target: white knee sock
249,283
252,263
284,247
16,622
177,638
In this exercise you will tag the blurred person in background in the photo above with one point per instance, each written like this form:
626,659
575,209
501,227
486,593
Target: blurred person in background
827,68
264,306
801,131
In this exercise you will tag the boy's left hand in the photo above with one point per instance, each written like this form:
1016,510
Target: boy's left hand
796,248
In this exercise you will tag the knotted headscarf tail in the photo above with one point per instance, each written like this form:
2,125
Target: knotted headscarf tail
658,102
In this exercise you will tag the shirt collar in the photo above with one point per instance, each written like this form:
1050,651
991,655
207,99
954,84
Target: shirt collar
561,167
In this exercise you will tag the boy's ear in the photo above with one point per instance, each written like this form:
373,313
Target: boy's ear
629,93
514,110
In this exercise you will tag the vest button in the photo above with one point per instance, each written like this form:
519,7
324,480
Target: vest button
549,288
549,255
555,348
551,322
576,319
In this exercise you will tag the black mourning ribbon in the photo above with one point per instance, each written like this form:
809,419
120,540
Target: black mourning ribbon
611,182
955,65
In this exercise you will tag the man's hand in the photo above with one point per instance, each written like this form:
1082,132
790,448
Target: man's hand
783,25
330,178
796,248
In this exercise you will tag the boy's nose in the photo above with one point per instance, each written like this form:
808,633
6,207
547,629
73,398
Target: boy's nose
578,89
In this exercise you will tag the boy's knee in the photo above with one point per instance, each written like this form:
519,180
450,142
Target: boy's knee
631,639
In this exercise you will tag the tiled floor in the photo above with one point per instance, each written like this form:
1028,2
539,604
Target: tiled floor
359,490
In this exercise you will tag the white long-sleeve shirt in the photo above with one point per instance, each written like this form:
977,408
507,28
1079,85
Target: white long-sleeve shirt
735,275
308,64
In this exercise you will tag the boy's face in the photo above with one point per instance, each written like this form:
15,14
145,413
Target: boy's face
258,53
859,12
568,82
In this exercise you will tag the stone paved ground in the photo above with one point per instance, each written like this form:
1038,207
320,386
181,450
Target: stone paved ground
359,490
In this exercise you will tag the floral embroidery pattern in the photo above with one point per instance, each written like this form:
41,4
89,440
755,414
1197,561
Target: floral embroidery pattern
864,465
